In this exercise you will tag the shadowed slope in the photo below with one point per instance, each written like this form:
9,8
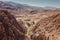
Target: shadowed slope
9,28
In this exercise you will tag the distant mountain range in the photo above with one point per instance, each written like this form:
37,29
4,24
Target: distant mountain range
23,8
13,5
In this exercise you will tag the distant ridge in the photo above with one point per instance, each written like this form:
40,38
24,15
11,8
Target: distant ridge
18,5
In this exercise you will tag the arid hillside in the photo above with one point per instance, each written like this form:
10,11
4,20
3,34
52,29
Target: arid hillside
9,27
47,28
22,22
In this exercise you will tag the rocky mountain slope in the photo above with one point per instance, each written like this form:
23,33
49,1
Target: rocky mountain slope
48,28
9,28
34,23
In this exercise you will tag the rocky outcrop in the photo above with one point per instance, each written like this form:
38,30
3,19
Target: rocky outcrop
9,28
47,28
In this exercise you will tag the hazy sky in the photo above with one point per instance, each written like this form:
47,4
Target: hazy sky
42,3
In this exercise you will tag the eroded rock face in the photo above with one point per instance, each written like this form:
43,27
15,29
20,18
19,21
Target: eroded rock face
9,28
47,28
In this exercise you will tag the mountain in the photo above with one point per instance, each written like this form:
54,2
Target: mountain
5,5
47,28
25,5
23,8
43,24
19,8
13,5
18,5
49,7
9,27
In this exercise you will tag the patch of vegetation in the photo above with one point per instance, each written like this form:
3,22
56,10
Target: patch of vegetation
28,24
25,33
